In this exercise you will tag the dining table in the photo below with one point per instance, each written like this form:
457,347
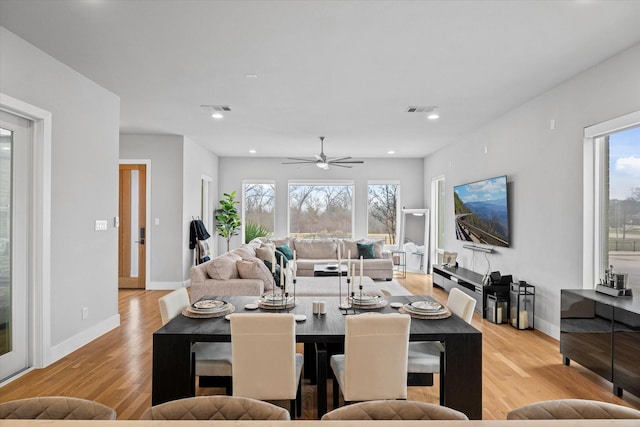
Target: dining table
173,371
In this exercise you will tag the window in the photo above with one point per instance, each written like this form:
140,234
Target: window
611,199
382,218
622,210
258,209
437,218
320,210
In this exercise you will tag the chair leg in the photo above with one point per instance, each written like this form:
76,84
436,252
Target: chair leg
336,392
292,408
443,370
299,399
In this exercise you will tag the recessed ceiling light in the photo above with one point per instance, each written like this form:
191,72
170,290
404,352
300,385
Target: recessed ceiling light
217,115
252,151
250,76
433,116
391,152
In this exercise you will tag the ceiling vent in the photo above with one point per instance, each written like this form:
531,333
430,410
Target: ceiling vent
421,109
211,108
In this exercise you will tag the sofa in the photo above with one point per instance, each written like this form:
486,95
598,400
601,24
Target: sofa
242,271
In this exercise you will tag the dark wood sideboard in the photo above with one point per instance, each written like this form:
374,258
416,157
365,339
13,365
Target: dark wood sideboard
602,333
469,282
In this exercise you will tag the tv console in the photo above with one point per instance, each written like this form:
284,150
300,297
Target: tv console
469,282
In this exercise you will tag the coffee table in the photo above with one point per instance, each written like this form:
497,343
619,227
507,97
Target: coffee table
322,270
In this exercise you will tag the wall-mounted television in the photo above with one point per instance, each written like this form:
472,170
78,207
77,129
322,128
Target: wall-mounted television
482,213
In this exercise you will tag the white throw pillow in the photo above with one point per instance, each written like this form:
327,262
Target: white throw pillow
223,267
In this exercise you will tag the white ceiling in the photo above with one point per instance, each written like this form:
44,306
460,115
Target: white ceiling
343,69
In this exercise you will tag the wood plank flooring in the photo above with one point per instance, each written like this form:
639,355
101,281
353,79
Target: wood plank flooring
520,367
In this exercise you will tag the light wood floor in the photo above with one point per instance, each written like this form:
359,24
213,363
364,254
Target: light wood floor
520,367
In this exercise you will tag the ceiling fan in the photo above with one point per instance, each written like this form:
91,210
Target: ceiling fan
322,161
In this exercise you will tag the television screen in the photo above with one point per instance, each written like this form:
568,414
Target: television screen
481,211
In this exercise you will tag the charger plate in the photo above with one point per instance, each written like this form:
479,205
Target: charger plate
442,314
277,306
195,314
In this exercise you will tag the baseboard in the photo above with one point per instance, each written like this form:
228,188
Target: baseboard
167,286
75,342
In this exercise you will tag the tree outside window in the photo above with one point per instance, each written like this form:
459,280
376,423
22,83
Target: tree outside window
383,212
320,210
259,210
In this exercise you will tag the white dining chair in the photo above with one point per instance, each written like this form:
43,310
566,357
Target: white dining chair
212,359
426,358
374,363
265,363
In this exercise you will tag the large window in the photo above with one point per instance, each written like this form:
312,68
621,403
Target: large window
258,209
623,207
611,213
320,210
382,218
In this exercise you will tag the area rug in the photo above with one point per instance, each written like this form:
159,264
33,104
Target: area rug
329,286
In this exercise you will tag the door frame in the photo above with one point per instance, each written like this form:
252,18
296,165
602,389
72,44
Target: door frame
148,233
39,270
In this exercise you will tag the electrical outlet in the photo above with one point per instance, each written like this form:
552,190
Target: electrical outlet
85,313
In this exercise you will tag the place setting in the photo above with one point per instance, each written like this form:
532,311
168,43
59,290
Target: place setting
425,309
273,301
208,308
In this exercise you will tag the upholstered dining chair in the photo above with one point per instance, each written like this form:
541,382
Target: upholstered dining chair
426,357
572,409
374,363
212,359
394,410
265,363
215,408
56,408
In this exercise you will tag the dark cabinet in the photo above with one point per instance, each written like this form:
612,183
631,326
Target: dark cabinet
469,282
602,333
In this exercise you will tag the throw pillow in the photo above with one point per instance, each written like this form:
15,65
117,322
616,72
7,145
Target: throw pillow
255,269
365,250
349,245
286,250
378,247
276,274
281,258
265,253
223,267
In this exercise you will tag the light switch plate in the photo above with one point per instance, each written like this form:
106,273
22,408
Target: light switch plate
101,225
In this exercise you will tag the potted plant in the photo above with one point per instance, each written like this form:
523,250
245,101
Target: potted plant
227,217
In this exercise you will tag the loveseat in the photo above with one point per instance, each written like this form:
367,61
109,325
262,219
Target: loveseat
242,272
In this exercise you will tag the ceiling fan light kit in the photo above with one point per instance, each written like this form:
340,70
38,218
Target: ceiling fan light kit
322,161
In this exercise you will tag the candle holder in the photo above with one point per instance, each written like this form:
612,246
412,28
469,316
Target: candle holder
522,298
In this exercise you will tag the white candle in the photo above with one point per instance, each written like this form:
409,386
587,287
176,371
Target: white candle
273,262
339,253
349,266
524,320
353,275
361,262
295,265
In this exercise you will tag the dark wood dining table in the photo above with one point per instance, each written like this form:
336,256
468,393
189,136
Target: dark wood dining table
172,376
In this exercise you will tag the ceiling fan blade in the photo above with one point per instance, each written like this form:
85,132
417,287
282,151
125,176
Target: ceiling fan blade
310,162
340,165
302,159
349,162
337,159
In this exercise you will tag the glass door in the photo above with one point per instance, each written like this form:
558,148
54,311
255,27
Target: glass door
14,214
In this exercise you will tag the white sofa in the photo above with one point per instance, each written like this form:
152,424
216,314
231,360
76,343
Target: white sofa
240,272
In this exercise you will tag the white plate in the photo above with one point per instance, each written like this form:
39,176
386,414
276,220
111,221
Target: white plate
251,306
396,304
228,317
209,305
300,317
429,306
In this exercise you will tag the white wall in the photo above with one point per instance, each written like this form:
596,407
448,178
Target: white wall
544,169
84,185
409,172
197,162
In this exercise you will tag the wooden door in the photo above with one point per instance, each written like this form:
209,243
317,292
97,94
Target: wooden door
132,231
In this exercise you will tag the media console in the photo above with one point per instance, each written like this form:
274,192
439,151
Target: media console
469,282
602,333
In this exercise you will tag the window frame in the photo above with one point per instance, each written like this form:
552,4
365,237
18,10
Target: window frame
246,182
398,207
437,210
323,182
595,164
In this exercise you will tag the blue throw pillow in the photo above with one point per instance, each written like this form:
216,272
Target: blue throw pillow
281,256
276,275
365,250
286,250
